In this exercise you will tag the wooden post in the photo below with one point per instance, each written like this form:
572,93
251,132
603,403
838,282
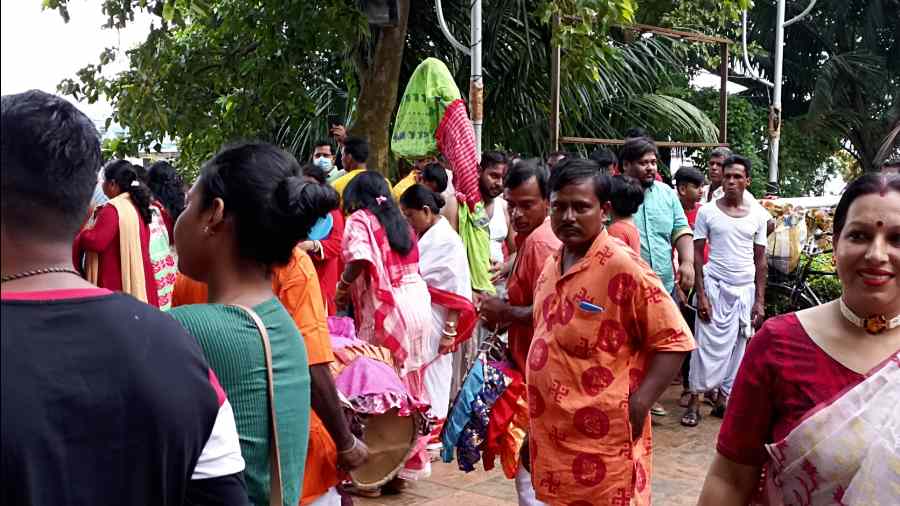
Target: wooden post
723,93
554,88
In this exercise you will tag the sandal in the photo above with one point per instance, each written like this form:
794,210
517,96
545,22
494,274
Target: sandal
685,399
711,398
658,410
691,417
350,488
719,410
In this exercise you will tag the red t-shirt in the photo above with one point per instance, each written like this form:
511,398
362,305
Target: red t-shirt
783,376
533,252
626,232
329,265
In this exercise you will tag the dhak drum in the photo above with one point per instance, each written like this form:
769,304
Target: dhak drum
383,413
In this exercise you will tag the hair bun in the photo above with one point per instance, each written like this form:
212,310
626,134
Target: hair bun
302,203
439,200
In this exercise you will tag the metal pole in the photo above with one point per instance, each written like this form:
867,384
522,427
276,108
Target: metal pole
775,111
476,85
554,88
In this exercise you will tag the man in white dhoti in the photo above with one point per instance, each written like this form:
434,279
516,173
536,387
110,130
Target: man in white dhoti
730,287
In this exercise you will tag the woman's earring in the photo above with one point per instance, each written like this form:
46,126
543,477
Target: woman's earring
206,230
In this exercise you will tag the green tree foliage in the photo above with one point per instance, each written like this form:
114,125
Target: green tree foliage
214,71
842,70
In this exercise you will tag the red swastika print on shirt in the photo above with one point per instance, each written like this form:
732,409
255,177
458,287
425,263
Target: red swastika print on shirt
604,255
653,294
622,497
611,336
595,379
557,436
539,354
558,391
592,422
621,288
588,469
551,483
668,336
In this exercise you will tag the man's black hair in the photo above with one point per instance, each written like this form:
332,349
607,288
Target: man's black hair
689,175
435,173
489,158
637,133
50,158
604,157
636,148
575,170
358,148
324,142
522,171
738,159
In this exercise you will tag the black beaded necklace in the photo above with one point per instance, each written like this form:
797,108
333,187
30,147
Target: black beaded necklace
38,272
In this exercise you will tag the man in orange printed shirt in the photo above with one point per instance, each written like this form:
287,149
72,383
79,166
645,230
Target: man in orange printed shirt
608,340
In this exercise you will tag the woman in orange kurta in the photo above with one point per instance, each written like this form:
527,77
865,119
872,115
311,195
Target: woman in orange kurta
297,287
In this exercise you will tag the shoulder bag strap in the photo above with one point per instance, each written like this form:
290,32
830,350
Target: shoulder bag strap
275,483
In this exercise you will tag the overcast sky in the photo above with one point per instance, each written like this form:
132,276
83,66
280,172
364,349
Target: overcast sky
39,50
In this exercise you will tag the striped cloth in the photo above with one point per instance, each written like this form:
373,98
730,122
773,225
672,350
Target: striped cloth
456,140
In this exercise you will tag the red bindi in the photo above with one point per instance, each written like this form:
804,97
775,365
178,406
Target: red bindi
879,223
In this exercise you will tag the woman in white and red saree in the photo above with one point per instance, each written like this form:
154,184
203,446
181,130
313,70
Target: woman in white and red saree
391,303
813,419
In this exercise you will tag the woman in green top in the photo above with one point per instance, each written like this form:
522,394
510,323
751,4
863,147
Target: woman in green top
244,215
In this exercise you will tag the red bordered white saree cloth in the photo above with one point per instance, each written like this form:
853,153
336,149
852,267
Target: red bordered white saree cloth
846,451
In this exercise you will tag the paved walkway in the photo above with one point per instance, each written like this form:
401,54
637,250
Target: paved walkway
681,457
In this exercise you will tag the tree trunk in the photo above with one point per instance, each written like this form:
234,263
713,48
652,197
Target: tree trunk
378,83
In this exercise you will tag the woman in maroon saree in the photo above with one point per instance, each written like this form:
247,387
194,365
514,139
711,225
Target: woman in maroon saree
813,418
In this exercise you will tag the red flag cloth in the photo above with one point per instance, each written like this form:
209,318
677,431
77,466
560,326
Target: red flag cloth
456,140
453,302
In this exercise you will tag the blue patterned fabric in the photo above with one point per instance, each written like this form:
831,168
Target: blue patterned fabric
475,432
459,414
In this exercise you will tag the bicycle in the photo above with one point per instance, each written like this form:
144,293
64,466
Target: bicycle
791,292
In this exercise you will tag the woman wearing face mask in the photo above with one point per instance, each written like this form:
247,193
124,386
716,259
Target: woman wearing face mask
445,269
115,244
815,401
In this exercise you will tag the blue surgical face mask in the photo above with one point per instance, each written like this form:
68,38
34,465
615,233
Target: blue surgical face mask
324,163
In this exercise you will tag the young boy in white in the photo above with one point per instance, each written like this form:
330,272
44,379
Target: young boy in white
730,287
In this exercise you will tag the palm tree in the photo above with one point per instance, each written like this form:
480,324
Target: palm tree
516,61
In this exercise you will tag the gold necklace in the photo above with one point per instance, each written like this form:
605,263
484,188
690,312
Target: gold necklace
872,324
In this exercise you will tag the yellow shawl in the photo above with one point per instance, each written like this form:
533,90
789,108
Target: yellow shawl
131,257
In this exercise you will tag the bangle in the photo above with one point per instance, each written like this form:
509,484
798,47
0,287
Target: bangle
348,450
448,334
344,280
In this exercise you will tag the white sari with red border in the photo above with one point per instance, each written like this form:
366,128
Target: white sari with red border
846,451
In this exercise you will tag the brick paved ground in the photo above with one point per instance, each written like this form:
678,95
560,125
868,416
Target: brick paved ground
680,459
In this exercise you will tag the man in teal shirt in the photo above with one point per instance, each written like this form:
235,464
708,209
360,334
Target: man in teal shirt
660,219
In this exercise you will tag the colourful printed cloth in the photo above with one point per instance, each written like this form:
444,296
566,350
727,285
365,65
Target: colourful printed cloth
162,258
469,445
582,366
846,451
391,301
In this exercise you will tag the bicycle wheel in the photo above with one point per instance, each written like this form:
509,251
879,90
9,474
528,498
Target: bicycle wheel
781,299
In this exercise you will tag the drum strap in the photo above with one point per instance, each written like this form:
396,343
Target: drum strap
275,486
